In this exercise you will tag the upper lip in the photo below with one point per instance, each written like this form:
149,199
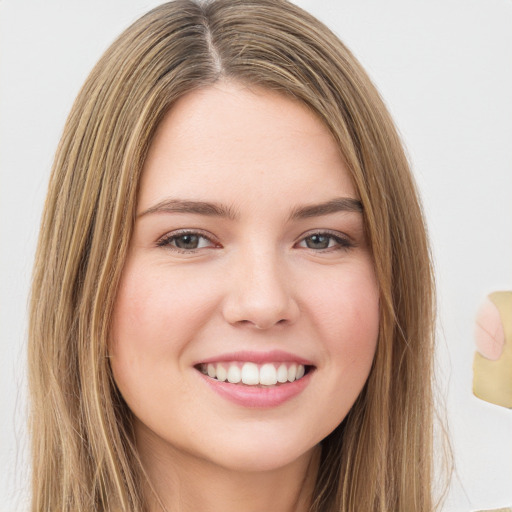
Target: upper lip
272,356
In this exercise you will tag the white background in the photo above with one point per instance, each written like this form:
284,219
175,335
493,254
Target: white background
444,68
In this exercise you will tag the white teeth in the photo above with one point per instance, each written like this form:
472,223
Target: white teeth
251,374
282,373
222,373
268,375
234,374
292,372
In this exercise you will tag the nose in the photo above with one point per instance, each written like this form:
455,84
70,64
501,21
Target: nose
260,292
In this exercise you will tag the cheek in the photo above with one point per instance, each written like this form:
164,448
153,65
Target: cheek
159,309
158,313
346,312
153,323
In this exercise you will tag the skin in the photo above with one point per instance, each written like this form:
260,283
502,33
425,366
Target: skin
257,281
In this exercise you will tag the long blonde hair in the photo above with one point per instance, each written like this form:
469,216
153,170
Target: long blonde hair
380,457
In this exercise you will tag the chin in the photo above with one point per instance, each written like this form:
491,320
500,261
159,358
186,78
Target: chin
257,453
262,460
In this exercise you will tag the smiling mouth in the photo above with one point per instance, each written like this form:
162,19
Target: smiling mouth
252,374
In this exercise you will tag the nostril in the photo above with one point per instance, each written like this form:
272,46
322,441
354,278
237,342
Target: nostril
262,325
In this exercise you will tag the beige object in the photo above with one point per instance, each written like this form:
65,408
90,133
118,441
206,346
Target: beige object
489,333
492,379
508,509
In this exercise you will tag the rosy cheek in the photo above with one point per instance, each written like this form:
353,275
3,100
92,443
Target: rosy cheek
134,323
158,308
348,303
353,334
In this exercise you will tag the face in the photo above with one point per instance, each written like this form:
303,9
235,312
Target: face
247,316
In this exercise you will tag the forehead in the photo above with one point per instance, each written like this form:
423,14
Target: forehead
233,141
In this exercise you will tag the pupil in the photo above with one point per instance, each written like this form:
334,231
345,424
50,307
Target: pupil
187,242
318,242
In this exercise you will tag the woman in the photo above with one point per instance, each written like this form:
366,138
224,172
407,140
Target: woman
232,299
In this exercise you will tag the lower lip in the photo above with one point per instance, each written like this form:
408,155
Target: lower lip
258,397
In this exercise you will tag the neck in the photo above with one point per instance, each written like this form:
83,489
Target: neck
182,483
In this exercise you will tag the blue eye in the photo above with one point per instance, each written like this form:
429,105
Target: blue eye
324,241
185,241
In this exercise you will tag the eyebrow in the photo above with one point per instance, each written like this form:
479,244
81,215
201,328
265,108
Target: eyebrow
340,204
185,206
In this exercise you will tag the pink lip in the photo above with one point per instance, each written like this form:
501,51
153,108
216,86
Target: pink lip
257,397
273,356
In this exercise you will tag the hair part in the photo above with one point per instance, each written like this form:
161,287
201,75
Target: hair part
380,457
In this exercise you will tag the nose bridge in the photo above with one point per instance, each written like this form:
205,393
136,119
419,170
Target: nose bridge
260,289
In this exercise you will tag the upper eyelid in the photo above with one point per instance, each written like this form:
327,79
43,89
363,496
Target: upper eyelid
186,231
329,232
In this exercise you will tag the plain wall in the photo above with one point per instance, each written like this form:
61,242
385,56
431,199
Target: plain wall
444,68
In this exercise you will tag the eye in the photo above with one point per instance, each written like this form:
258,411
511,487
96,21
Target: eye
322,241
185,241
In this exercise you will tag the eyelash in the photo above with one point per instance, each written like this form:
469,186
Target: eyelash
167,240
342,242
